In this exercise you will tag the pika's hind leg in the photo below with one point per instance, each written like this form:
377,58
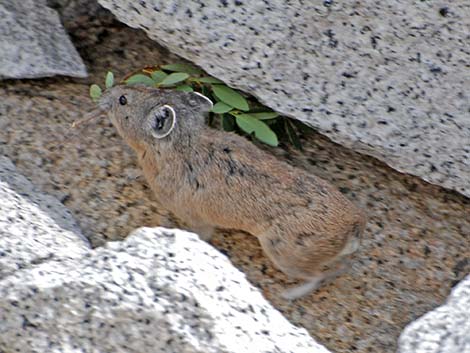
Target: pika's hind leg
313,283
312,258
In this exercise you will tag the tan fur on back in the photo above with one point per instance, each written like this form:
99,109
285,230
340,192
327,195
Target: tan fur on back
214,178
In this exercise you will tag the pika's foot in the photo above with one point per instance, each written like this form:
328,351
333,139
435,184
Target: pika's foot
313,284
302,290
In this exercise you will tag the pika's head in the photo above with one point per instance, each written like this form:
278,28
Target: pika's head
147,116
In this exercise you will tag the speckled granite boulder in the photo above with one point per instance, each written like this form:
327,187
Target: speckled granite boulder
34,227
389,79
443,330
34,44
158,291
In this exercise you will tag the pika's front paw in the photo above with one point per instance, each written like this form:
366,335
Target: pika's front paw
205,232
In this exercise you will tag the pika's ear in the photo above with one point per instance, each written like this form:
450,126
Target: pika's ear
161,120
199,100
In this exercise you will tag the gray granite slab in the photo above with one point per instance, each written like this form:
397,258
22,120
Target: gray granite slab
33,43
389,79
34,227
158,291
443,330
57,293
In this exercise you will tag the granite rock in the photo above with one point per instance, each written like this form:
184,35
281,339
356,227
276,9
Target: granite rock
443,330
33,43
33,227
158,291
386,79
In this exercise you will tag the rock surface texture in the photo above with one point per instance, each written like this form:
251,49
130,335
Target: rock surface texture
34,44
443,330
34,228
389,79
158,291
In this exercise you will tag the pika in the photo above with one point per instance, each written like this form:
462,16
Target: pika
210,178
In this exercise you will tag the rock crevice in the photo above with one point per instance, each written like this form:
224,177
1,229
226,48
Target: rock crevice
388,80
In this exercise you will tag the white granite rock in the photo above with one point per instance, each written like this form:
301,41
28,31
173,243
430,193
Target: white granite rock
34,44
34,227
158,291
389,79
443,330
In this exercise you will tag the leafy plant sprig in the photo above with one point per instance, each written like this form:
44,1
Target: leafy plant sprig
235,111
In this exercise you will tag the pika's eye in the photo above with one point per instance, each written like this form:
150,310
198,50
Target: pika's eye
123,100
162,121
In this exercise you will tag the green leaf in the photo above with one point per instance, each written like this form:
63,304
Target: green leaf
262,131
265,115
220,108
139,78
184,88
230,97
109,81
292,134
173,78
261,116
228,122
182,68
95,92
208,80
270,121
158,76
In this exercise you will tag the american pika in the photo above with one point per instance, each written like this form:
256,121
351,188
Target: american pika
210,178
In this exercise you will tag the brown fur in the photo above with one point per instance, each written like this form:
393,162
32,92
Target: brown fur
211,178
